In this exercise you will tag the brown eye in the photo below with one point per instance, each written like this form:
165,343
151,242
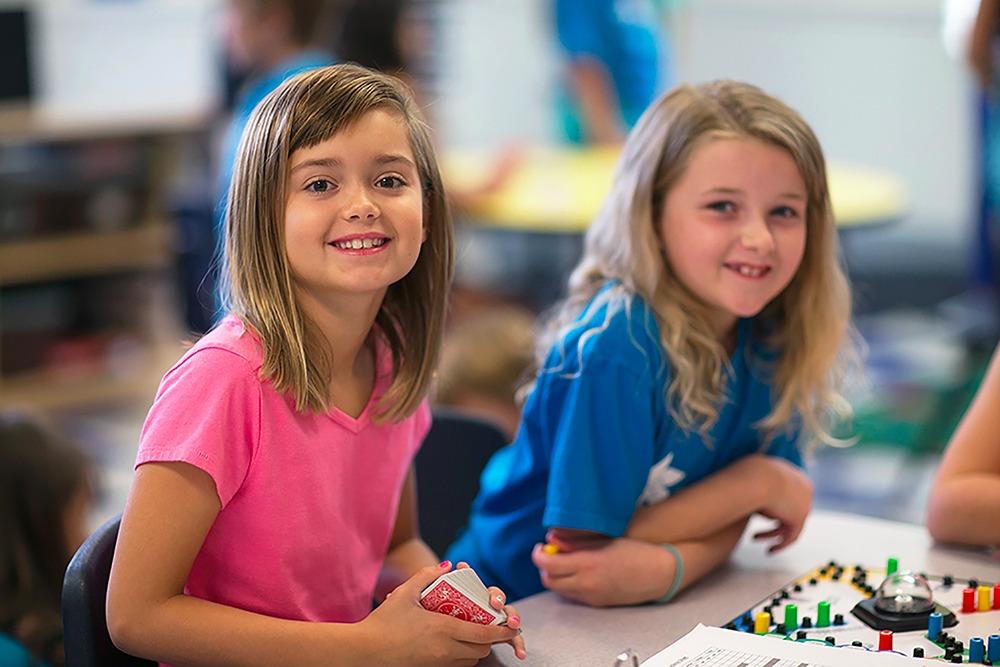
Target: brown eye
390,182
320,185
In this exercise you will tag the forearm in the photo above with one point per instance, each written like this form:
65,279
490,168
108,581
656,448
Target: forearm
190,631
401,563
963,509
703,509
704,556
598,101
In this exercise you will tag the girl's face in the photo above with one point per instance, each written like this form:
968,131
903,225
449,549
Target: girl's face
733,227
354,214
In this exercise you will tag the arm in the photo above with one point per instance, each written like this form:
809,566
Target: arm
757,483
965,497
149,615
625,571
984,31
593,89
407,552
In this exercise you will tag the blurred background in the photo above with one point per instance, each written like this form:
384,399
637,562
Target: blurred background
115,117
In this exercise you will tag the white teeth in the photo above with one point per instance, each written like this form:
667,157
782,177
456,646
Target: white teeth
750,272
358,244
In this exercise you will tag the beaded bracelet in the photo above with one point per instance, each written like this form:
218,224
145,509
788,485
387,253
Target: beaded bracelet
678,575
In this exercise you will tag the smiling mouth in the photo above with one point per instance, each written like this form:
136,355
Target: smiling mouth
751,271
367,243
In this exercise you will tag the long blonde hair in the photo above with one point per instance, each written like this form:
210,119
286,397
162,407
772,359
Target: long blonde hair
257,280
808,324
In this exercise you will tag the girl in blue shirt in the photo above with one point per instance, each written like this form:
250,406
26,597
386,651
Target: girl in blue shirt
703,342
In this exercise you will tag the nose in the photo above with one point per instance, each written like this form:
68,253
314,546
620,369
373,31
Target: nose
360,207
756,235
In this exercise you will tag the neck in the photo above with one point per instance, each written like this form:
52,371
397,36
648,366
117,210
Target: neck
344,323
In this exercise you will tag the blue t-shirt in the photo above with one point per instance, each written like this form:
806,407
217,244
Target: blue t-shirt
625,36
596,440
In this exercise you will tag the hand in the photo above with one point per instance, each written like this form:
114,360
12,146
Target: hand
621,572
407,634
788,504
497,600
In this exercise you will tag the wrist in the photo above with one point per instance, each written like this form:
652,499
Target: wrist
673,574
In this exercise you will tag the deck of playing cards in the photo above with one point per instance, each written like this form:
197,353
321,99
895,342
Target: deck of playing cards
462,594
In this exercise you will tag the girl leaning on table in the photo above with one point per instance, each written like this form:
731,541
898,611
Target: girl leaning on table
702,345
274,495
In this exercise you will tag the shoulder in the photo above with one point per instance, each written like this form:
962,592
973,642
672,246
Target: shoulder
14,653
229,354
616,327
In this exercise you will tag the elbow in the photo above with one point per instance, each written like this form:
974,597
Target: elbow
127,626
941,513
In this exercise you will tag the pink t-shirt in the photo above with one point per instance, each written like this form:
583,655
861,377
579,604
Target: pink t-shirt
308,501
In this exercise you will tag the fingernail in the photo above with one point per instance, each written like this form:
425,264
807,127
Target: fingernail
515,619
445,564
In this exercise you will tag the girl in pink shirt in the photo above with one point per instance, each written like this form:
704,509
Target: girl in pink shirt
274,495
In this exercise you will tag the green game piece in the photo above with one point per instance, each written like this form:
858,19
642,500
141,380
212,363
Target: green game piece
823,617
891,566
791,617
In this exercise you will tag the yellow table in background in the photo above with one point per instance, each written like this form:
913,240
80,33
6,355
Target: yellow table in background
559,190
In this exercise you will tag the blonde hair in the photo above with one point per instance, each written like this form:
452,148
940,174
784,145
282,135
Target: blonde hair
808,324
257,280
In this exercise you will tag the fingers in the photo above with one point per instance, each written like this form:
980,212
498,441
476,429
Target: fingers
555,565
473,633
422,578
767,534
520,651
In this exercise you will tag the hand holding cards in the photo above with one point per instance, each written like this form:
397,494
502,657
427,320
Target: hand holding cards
462,594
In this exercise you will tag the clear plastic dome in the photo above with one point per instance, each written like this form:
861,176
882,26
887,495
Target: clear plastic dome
904,593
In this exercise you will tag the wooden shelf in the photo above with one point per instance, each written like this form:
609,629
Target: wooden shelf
90,386
85,254
22,123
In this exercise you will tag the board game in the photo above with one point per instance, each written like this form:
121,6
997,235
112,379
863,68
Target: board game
947,618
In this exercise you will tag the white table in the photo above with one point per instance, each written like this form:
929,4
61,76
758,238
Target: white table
559,632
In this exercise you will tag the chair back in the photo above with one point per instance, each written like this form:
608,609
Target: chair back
85,591
448,468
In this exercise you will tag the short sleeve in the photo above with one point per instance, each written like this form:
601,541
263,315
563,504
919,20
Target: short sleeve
603,447
206,413
785,445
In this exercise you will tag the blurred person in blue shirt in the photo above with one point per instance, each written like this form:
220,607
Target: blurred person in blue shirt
615,65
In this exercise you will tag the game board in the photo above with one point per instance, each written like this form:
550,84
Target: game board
823,606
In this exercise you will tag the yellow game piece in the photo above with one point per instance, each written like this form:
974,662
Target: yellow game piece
550,549
762,624
984,598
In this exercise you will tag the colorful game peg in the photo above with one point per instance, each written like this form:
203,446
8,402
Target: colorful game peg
891,566
968,600
791,617
934,624
976,650
823,614
996,596
983,598
993,649
885,640
550,549
762,624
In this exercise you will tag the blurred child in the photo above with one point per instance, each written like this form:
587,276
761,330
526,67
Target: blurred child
45,494
700,343
274,496
271,40
965,498
485,356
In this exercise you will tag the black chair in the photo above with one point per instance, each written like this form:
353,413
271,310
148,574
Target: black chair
448,467
85,590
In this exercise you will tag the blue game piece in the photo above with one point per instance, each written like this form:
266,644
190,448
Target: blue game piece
976,650
993,650
934,622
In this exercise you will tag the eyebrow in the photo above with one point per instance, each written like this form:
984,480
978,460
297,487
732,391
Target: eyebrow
736,191
381,159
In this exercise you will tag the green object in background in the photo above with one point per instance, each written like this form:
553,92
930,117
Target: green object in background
891,567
